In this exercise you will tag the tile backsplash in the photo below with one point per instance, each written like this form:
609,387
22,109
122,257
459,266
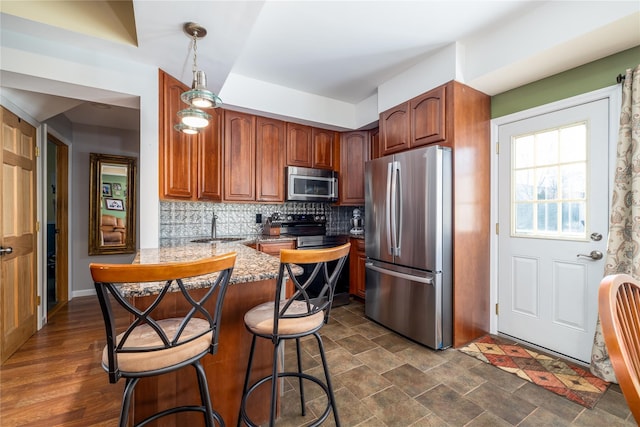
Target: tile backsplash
193,219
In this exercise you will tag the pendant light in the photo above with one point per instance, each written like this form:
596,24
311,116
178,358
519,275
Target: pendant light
192,118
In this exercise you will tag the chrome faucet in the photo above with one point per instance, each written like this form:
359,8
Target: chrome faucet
213,226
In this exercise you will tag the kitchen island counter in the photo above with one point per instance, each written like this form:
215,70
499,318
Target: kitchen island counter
253,282
251,265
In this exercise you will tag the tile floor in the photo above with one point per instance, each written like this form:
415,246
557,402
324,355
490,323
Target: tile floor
383,379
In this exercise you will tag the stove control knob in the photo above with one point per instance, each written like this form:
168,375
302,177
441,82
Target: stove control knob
289,218
316,218
322,218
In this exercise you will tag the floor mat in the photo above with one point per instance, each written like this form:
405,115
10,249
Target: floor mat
558,376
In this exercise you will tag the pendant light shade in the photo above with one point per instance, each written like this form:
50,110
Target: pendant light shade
181,127
192,118
199,96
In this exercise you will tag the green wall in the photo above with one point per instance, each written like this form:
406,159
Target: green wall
115,194
586,78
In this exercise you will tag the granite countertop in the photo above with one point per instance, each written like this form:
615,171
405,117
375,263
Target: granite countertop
251,265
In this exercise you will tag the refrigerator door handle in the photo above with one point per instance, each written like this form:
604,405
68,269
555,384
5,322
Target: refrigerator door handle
394,207
426,280
388,223
400,203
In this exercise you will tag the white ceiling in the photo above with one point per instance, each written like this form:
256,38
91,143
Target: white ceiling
342,50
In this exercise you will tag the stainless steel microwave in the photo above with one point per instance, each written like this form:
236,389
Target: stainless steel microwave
311,185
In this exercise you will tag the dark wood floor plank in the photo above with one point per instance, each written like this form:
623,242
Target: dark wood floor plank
55,378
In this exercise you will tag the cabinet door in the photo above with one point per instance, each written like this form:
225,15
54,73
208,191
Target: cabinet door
270,146
354,152
323,143
428,119
177,151
394,129
357,272
375,150
239,156
299,147
209,159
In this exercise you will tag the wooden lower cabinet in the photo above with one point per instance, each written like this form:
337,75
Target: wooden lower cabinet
357,274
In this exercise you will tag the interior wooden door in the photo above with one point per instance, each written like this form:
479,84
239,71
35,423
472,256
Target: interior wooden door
18,293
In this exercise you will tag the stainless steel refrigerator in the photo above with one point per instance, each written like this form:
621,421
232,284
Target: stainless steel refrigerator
408,244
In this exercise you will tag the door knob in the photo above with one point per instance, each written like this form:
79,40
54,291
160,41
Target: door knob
596,237
594,255
5,250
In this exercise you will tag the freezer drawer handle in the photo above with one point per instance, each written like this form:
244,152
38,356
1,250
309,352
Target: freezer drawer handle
427,280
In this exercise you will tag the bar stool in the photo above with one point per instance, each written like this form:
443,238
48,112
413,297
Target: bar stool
149,346
298,316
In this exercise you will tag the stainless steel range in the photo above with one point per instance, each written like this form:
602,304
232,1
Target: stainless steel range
311,233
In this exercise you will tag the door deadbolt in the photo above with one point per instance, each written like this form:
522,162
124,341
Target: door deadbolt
594,255
596,237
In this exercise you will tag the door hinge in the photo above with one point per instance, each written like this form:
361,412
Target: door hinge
497,309
497,228
37,151
497,148
38,300
37,226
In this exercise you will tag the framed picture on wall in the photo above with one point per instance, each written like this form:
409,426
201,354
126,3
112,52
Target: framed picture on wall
114,204
106,189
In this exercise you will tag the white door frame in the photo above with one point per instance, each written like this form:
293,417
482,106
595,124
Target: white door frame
612,93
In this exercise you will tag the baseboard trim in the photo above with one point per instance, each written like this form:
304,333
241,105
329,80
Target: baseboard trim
83,293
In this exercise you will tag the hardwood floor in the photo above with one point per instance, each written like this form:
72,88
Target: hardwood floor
380,379
55,378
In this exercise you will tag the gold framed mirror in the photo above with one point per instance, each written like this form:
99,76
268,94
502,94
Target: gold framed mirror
112,204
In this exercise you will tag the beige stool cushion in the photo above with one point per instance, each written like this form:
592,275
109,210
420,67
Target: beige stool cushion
260,319
144,337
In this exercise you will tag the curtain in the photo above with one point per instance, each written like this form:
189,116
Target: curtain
623,247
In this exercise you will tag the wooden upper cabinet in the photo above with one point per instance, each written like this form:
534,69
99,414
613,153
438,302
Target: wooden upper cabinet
324,143
176,149
375,150
428,118
209,157
239,156
420,121
270,148
299,145
354,152
189,164
394,129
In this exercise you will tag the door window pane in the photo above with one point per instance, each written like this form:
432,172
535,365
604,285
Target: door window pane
549,188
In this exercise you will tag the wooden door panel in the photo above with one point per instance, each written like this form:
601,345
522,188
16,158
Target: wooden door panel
394,129
18,309
177,150
323,146
270,147
299,145
354,151
209,159
239,156
428,117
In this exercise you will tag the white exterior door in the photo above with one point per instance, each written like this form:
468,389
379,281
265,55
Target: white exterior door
553,220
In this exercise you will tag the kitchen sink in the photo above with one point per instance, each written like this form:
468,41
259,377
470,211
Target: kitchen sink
218,240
